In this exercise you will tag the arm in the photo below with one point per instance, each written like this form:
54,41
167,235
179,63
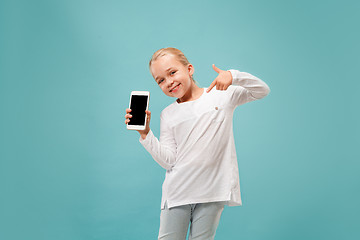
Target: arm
163,151
249,87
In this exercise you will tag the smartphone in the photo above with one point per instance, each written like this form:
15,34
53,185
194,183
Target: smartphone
139,102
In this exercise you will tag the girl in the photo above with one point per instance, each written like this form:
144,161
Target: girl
196,145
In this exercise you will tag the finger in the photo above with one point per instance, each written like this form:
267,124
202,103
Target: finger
218,70
128,116
218,85
148,114
211,86
127,121
128,110
221,87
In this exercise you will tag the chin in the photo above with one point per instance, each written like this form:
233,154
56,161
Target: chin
171,94
179,95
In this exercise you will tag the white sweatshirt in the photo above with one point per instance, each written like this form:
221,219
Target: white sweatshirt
197,146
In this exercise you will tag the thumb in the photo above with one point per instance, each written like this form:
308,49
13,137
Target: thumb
218,70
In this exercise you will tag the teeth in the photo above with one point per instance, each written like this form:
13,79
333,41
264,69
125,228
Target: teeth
174,88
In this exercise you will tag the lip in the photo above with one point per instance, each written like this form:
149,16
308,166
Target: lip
177,87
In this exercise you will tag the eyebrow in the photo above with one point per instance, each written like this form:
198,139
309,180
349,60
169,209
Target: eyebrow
165,71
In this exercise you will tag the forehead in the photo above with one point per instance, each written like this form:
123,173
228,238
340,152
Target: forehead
163,63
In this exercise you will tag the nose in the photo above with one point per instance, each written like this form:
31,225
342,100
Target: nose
170,82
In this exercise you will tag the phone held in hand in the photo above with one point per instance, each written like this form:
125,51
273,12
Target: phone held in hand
139,102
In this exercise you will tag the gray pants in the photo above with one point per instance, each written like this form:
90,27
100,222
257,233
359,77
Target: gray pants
204,219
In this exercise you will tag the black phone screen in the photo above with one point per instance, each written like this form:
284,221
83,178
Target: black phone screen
138,107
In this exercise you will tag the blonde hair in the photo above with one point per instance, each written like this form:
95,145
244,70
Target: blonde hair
170,51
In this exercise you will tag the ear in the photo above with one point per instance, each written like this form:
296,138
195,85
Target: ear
191,69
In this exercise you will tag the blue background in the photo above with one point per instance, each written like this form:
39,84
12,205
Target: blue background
69,169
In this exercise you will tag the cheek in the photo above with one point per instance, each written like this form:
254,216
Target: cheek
163,89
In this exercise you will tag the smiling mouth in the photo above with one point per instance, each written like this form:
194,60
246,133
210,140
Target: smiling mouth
175,88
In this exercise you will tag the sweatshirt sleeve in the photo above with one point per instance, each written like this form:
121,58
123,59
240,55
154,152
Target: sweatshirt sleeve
247,87
163,151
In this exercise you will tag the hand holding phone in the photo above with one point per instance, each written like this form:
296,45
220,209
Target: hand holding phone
137,115
144,132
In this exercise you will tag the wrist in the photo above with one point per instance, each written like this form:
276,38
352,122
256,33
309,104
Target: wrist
143,134
230,74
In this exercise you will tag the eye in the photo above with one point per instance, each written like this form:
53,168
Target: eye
160,81
172,72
